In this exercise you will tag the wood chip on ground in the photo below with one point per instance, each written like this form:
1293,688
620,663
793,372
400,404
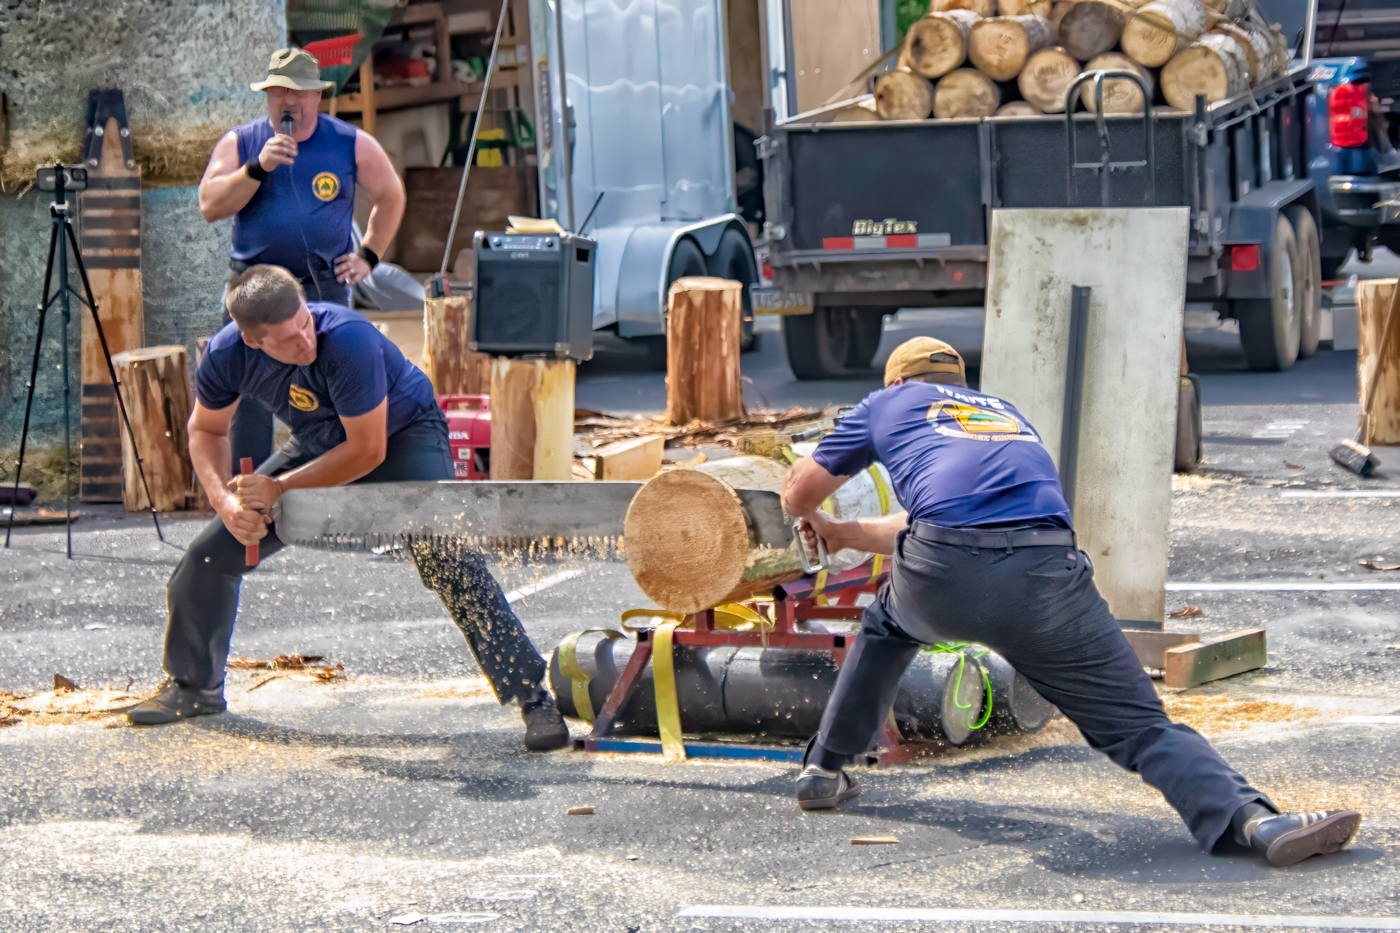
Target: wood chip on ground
283,662
1375,565
1186,612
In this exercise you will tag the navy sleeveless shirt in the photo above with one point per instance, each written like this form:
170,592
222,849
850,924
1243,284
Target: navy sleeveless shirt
300,217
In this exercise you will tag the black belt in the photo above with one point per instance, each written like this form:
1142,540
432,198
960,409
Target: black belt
994,538
239,267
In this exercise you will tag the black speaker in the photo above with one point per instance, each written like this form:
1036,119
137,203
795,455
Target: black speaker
533,293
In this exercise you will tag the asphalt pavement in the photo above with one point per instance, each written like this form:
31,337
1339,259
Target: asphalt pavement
401,793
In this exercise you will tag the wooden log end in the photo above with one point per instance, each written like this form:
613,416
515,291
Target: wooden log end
901,95
965,92
1046,79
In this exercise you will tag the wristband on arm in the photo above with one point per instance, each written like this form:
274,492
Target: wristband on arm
369,256
254,169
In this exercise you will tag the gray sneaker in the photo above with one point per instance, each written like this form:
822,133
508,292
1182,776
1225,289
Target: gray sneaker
173,703
545,729
819,789
1288,838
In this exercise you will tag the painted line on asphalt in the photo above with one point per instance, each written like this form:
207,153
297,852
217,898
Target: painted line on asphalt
1341,494
1264,586
530,589
947,915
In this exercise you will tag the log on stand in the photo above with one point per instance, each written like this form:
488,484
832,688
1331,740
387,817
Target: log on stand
1163,28
1088,28
532,419
901,95
1000,46
448,360
1215,66
1046,79
155,387
1373,301
704,330
965,92
937,44
1120,95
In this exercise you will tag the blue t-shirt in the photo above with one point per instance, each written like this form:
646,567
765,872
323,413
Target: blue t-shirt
956,457
299,218
356,368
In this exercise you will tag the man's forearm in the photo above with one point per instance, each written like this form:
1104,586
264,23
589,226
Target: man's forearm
226,195
383,223
341,464
211,457
875,535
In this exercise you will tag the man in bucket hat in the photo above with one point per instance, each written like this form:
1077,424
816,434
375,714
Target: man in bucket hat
986,553
292,200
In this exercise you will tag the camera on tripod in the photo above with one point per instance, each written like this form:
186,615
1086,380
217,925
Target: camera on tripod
75,177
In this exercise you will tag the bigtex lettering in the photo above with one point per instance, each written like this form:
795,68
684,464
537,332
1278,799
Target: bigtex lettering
887,227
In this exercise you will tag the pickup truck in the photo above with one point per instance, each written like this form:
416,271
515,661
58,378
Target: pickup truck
865,217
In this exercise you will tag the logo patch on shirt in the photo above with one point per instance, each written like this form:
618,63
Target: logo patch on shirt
303,400
956,419
325,186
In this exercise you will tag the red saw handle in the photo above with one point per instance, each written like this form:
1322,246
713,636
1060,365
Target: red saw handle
250,552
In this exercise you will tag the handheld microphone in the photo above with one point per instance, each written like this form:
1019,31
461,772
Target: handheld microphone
288,123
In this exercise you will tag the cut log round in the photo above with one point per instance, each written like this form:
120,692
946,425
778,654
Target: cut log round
1017,108
155,388
1120,95
1001,45
1257,47
1215,66
1023,7
902,95
1046,79
704,328
980,7
1089,28
1160,29
937,44
966,92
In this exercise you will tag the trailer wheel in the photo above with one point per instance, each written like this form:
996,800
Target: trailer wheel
686,259
866,329
1189,426
817,343
1310,272
734,260
1270,327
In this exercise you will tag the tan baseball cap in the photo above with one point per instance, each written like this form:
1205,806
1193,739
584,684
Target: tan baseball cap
293,68
922,355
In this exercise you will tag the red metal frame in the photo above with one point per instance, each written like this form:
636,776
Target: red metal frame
792,606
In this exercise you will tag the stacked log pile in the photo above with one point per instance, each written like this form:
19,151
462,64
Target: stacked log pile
982,58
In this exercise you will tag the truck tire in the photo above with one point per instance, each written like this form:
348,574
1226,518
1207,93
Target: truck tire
1189,426
734,260
1310,271
866,329
686,259
818,343
1269,327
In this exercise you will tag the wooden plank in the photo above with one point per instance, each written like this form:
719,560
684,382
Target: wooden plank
532,419
493,194
1151,645
832,42
1216,658
634,458
1373,300
367,98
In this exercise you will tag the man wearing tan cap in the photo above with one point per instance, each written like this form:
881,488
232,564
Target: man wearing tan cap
985,552
292,199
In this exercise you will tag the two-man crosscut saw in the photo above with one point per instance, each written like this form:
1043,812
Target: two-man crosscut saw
493,514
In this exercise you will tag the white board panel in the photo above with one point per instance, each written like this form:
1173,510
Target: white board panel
1134,261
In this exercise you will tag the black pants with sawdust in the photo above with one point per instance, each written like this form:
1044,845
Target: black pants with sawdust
203,590
1038,608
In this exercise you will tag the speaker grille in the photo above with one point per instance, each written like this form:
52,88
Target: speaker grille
518,303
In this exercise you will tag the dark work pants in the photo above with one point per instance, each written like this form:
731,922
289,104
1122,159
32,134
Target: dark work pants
250,431
203,590
1037,607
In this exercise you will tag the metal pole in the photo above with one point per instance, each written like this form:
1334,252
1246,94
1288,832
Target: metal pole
60,212
1305,52
471,146
1074,391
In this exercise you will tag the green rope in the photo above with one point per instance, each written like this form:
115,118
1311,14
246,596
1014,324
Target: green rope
960,649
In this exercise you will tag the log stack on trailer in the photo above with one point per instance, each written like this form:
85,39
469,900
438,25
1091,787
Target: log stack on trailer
982,58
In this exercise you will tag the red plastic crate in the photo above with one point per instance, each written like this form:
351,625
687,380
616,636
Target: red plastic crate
337,51
469,434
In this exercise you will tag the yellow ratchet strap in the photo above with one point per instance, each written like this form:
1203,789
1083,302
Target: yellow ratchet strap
663,676
883,491
568,666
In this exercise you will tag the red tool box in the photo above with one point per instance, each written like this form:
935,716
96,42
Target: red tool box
469,433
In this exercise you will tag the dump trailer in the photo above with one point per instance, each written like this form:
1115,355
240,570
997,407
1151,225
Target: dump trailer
868,216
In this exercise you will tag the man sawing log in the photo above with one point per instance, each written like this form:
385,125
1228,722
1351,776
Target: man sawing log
360,413
986,553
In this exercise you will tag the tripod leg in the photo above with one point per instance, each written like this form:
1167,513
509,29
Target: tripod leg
112,372
66,309
33,378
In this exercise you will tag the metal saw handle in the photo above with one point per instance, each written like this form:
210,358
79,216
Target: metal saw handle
809,565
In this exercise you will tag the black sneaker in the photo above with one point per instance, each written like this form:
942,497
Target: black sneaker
173,703
1288,838
544,725
819,789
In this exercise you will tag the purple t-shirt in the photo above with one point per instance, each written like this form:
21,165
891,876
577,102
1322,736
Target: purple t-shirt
957,458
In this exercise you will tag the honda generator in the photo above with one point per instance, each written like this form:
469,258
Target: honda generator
469,434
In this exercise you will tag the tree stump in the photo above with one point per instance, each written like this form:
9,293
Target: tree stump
450,363
705,326
1373,301
155,387
532,419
